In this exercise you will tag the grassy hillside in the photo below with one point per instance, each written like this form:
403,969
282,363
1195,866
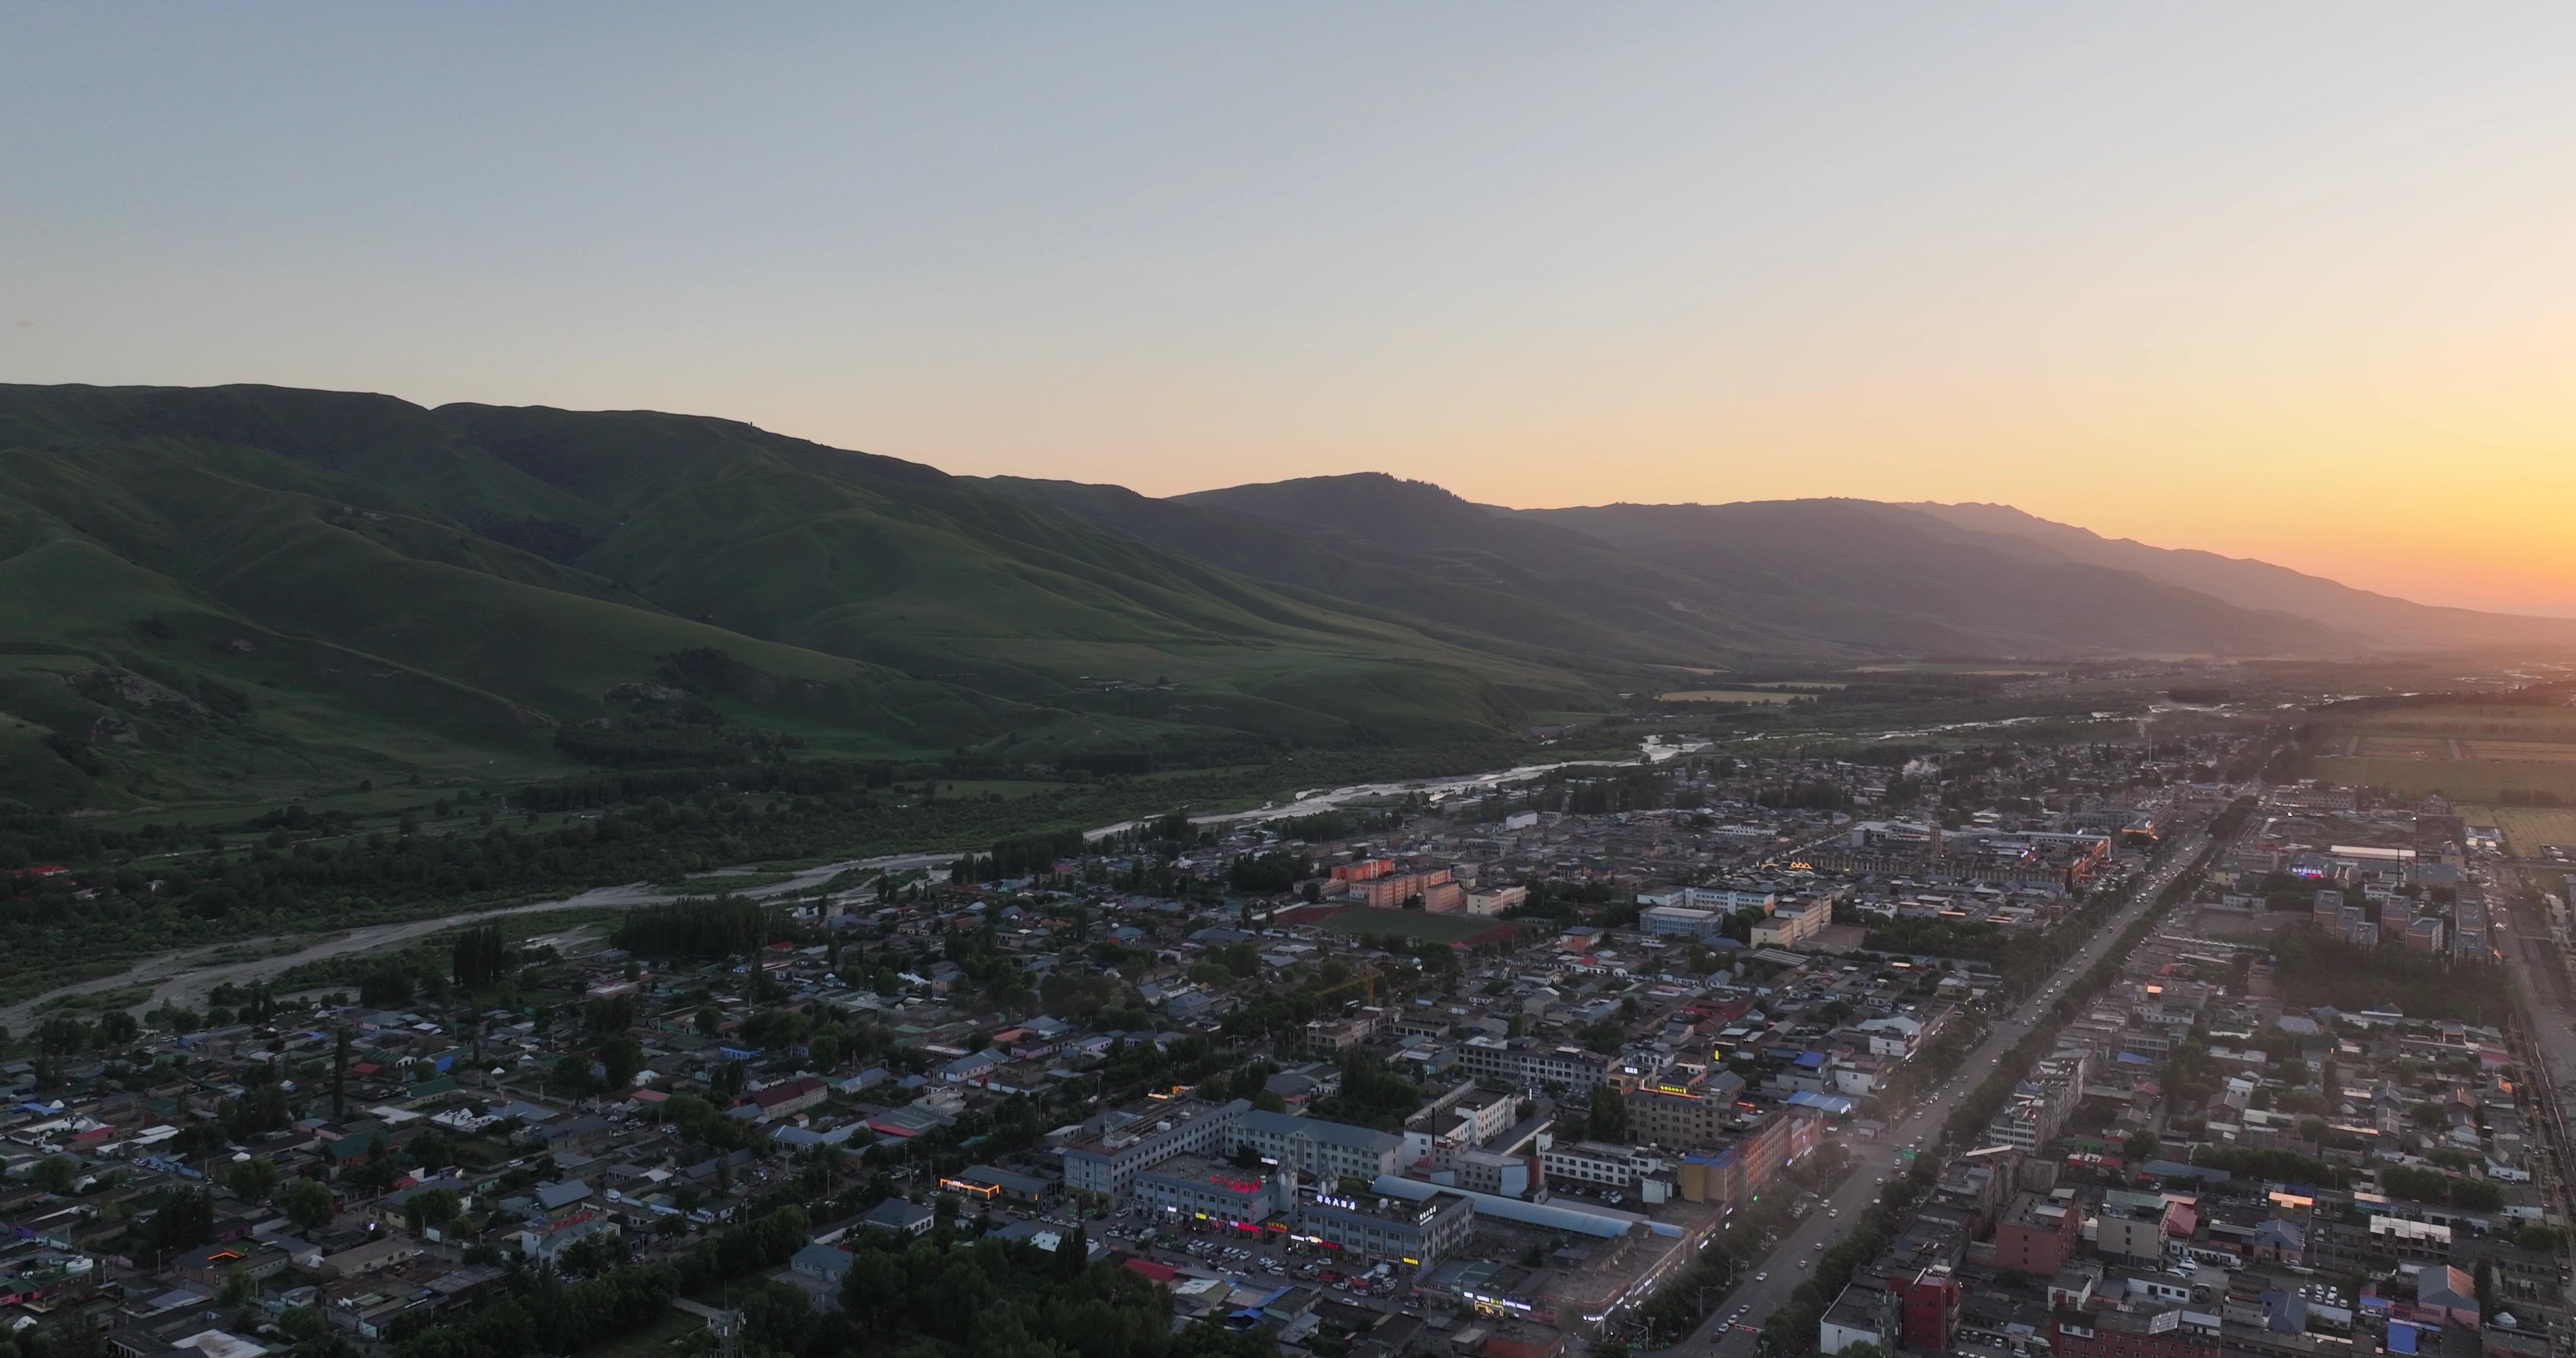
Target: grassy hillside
251,590
2248,583
1863,572
1469,573
1780,579
330,587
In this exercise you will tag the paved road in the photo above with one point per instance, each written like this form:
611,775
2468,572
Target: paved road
2520,931
1793,1260
186,977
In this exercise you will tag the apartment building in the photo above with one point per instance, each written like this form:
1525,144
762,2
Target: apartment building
1694,1110
1518,1063
1319,1151
1109,1163
1598,1164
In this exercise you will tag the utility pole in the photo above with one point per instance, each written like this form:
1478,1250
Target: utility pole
340,1074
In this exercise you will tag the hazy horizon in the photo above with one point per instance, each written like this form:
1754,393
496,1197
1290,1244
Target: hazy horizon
2285,284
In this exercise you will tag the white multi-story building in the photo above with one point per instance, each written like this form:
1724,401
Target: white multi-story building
1598,1163
1319,1151
1109,1163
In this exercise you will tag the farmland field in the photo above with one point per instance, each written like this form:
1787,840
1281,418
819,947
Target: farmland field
1730,695
2534,750
2472,780
2491,722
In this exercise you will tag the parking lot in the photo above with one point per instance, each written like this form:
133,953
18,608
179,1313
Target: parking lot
1269,1254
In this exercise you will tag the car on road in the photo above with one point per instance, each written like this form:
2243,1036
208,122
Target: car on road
1761,1277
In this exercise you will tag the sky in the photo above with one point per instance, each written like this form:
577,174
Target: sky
2292,281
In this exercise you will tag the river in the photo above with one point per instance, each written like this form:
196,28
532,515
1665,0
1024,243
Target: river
186,976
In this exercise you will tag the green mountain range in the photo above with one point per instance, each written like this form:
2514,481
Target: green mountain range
229,591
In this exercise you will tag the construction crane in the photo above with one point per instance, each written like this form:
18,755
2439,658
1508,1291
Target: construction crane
1367,978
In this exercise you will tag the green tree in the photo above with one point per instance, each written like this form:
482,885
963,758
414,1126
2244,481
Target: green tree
1607,1119
62,1035
430,1209
571,1076
183,1219
623,1057
480,957
117,1028
56,1173
308,1204
1605,1036
252,1180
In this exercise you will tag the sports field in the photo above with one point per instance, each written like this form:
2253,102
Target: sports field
1939,667
2468,752
2555,725
2461,780
2526,828
2404,747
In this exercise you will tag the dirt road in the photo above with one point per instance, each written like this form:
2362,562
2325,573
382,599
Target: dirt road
187,976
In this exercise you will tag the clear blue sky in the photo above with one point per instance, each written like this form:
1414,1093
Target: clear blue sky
2209,275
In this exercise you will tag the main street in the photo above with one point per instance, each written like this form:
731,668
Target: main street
1792,1261
2519,929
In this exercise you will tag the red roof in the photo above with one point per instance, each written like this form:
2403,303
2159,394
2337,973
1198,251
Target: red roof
1161,1273
40,870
